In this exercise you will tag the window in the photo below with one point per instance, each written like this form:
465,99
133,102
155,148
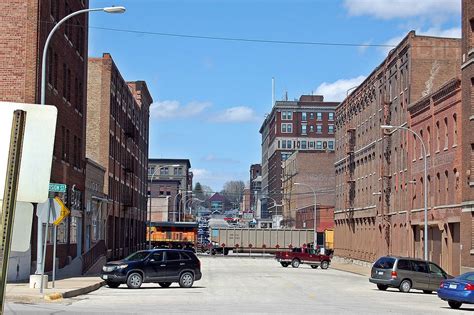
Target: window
303,116
288,144
331,116
175,171
50,66
290,115
319,116
303,129
437,137
319,128
455,127
331,128
64,80
421,147
319,145
311,115
56,69
384,263
283,116
446,136
289,128
164,171
428,140
404,264
311,144
303,144
68,95
419,266
66,155
283,127
435,269
283,144
331,145
286,115
311,128
157,257
151,170
63,143
414,147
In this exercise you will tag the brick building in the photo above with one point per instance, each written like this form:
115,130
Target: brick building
373,168
117,139
255,185
315,169
306,124
163,189
25,26
467,126
173,178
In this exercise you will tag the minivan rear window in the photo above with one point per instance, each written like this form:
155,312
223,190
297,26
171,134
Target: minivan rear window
384,263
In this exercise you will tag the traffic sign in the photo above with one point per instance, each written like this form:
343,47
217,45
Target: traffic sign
64,212
60,188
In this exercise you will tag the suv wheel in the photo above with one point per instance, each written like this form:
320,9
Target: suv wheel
164,284
113,285
405,286
134,280
382,287
454,304
324,264
295,263
186,280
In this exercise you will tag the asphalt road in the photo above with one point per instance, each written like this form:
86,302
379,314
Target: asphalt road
246,285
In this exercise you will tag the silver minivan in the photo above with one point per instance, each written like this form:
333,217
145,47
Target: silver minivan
406,274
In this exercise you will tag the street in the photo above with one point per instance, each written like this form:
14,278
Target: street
251,285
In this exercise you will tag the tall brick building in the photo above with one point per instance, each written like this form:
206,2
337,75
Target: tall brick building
117,139
375,214
255,185
306,124
25,26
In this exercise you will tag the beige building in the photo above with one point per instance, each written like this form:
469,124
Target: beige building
315,169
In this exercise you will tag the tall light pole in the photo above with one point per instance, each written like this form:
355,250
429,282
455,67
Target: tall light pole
314,215
174,204
149,214
40,263
394,128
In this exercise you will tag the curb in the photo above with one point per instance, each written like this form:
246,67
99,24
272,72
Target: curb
73,293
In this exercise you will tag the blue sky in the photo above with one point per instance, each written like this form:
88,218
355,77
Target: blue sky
210,96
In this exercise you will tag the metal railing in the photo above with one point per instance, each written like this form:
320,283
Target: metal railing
91,256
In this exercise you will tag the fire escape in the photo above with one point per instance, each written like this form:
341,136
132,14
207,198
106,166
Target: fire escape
349,172
386,169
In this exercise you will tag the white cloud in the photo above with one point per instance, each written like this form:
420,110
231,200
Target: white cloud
389,9
174,109
236,114
337,91
200,172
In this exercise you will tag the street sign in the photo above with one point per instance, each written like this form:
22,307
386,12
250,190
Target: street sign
60,188
64,211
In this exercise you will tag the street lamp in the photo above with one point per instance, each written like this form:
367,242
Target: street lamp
394,128
151,183
191,202
174,205
314,215
48,39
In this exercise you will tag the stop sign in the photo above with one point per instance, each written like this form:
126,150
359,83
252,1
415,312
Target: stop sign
223,244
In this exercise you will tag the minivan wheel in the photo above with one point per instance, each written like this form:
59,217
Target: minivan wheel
295,263
454,304
164,284
186,280
113,285
382,287
405,286
427,291
134,280
324,264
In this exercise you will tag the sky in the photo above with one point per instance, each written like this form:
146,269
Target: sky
211,96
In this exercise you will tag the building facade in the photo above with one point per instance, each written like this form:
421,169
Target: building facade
117,139
255,185
373,167
162,199
305,125
315,169
25,26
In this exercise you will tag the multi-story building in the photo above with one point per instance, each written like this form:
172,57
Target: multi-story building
217,203
25,26
306,124
467,126
373,167
315,169
171,177
255,185
117,139
245,203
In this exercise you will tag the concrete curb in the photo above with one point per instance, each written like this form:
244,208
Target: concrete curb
81,291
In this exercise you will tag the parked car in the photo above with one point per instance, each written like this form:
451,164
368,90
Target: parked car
406,274
300,256
457,291
162,266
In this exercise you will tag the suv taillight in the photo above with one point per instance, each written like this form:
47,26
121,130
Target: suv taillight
441,285
394,274
469,287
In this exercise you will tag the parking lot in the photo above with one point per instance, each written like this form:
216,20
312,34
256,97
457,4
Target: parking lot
252,285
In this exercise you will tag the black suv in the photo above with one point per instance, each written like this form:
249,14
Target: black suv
162,266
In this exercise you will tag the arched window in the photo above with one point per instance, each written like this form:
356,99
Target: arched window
446,136
455,128
446,186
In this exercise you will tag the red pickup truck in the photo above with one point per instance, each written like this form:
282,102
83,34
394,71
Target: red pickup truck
303,256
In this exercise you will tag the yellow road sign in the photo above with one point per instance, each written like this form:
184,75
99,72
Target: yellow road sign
64,212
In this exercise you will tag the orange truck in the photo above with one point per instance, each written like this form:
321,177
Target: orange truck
179,235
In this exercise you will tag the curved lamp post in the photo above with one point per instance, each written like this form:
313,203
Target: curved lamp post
394,128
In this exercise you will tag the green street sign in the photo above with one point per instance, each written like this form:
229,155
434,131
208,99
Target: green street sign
60,188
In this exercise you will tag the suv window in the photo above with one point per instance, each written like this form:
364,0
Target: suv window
404,264
185,256
172,256
435,269
158,256
419,266
385,263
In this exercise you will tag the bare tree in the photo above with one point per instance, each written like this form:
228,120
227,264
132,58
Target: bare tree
233,191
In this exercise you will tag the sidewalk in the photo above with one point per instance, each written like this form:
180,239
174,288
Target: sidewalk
66,288
351,267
